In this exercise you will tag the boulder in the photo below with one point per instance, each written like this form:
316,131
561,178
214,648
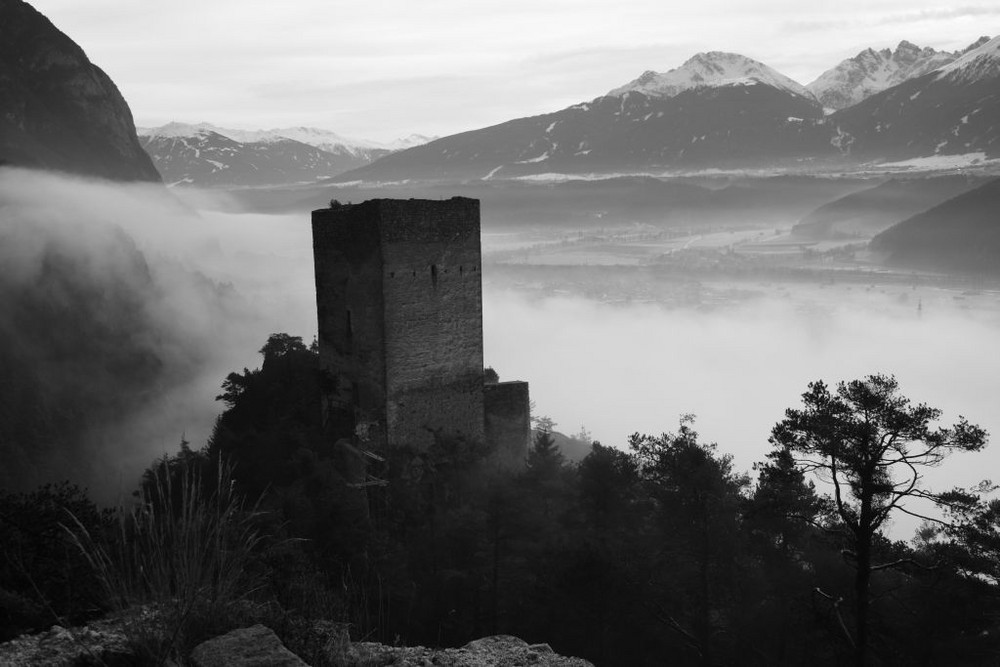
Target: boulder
256,646
495,651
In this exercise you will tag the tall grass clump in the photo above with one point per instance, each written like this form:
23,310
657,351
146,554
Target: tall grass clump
180,561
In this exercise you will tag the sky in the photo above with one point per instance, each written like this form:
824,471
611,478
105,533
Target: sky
386,69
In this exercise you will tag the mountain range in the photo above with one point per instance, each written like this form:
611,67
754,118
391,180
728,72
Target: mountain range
208,155
871,71
721,110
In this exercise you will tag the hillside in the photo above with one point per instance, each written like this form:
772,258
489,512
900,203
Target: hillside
874,209
962,234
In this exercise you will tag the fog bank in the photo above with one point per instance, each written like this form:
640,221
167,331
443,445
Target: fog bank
619,369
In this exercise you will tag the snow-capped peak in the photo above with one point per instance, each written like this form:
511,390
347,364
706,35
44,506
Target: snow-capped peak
982,62
712,69
409,142
872,71
177,130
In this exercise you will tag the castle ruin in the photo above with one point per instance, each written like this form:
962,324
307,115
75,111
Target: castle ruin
399,299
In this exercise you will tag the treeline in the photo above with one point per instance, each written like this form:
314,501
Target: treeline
658,553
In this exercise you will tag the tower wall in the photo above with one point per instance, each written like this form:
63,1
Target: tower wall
433,319
399,299
348,258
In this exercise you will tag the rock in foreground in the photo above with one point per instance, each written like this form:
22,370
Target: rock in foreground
497,651
256,646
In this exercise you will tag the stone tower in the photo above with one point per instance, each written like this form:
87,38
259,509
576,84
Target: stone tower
399,298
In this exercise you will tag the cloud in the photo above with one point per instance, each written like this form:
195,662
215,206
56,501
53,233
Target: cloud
618,369
125,308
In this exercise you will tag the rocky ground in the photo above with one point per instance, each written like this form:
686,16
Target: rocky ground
104,643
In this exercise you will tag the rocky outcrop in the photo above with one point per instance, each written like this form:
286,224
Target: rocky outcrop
107,643
256,646
100,643
57,109
497,651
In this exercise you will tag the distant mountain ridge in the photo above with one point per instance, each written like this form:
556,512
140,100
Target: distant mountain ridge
208,155
697,128
873,71
725,111
57,109
953,110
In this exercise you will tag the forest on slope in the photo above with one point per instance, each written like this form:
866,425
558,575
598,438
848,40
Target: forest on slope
656,551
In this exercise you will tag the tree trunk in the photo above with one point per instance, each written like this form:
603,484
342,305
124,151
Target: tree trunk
862,581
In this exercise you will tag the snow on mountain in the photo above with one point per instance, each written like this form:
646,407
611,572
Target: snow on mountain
711,70
872,71
951,111
206,155
409,142
323,139
977,64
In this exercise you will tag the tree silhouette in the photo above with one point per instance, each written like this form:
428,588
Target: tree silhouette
872,446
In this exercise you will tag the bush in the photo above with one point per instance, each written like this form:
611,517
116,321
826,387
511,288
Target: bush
43,577
182,562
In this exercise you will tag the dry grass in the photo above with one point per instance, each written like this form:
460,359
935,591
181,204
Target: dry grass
182,562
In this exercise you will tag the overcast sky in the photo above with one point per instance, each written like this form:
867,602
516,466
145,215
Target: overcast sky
382,69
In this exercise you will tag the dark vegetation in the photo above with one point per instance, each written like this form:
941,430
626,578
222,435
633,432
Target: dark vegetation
661,553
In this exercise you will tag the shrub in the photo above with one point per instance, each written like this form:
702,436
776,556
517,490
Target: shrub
182,562
42,575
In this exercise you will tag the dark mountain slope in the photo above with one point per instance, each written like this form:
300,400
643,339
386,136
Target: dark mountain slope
877,208
57,109
961,234
719,126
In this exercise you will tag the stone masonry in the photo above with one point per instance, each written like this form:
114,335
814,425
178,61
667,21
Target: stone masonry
399,298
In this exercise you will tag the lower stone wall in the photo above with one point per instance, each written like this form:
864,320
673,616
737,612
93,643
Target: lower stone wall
507,421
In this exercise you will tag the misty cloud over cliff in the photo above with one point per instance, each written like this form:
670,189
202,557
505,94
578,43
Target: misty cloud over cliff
124,308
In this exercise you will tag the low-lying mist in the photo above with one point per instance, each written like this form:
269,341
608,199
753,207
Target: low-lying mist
617,369
124,309
125,306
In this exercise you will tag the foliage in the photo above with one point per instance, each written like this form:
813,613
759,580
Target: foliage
657,551
43,577
871,444
696,498
181,559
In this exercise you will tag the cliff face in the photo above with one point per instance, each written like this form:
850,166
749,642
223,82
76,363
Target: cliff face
57,109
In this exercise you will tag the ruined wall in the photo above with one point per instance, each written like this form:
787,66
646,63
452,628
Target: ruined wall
507,423
433,319
399,299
